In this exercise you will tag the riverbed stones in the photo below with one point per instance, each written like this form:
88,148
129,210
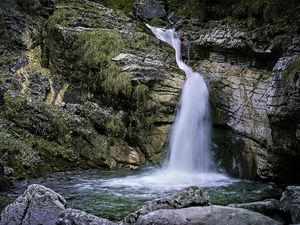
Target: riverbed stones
207,215
190,196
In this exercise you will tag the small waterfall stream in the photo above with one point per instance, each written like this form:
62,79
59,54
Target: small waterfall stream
190,137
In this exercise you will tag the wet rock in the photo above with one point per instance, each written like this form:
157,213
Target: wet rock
5,183
210,215
270,208
38,205
77,217
290,202
8,171
283,112
190,196
149,9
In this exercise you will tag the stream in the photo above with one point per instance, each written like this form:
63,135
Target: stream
115,194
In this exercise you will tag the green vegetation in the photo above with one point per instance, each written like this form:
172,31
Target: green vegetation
124,5
264,11
139,41
99,46
1,2
140,93
61,16
2,79
117,82
29,6
116,126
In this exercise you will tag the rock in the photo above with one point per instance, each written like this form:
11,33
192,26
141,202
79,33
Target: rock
149,9
269,207
290,202
5,184
190,196
38,205
8,171
208,215
77,217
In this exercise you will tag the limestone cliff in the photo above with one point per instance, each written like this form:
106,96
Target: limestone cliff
85,84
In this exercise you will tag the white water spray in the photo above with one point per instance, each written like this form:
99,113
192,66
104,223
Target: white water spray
190,137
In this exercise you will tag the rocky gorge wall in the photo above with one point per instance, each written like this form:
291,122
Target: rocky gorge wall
87,86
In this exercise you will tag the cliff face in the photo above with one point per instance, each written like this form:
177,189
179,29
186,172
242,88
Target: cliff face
249,53
83,85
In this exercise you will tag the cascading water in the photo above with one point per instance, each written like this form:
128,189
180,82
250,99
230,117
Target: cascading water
190,137
189,162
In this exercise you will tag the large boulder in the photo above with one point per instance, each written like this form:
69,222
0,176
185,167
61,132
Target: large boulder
208,215
38,205
190,196
290,202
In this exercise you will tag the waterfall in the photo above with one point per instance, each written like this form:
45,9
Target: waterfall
190,136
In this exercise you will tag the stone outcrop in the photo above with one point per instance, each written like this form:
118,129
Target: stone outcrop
210,215
150,9
190,196
90,87
290,203
86,86
255,117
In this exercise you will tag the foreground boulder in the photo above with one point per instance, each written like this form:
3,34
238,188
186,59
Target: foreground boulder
38,205
290,202
42,206
190,196
208,215
269,207
77,217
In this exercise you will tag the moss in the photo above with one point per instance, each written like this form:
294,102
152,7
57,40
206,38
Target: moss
62,16
50,148
116,126
99,46
138,41
1,2
29,6
140,93
2,80
158,22
117,82
124,5
188,8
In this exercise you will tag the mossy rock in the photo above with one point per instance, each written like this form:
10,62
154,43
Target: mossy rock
99,46
124,5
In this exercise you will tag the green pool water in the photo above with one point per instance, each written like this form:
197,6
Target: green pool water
115,194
